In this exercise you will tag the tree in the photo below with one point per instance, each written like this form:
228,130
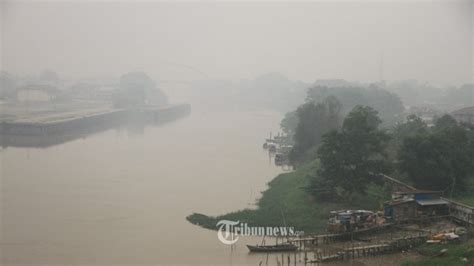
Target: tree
388,105
440,159
314,120
353,157
412,126
137,89
289,123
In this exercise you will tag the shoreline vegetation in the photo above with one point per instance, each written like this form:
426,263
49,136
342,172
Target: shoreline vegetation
286,200
287,196
340,144
456,254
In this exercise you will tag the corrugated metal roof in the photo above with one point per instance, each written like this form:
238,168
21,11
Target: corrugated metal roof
427,202
418,191
398,202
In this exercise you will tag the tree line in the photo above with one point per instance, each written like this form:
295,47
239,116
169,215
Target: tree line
353,149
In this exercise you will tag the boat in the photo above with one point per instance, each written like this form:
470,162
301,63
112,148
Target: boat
281,159
278,247
273,248
272,147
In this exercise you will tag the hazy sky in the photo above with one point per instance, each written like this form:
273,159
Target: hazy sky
426,40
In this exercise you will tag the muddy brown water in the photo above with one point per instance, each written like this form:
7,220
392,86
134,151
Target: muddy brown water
121,196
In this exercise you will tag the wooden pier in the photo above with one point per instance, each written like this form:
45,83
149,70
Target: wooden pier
394,245
330,238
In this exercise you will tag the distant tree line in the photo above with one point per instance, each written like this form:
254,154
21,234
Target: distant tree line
324,110
353,150
388,105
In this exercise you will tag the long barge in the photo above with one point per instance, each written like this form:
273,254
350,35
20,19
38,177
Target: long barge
47,130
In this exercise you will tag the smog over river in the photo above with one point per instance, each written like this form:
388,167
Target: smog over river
236,133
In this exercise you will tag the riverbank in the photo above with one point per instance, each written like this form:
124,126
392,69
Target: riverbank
286,200
468,196
456,254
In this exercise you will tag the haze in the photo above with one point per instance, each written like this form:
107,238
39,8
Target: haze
363,41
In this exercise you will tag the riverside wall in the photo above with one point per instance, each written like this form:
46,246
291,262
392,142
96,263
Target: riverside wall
61,130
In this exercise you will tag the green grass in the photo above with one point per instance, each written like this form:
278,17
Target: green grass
453,257
285,197
467,197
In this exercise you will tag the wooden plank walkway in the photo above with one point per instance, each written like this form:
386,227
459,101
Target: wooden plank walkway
329,238
372,250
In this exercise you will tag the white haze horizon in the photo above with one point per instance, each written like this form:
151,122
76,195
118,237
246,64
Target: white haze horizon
361,41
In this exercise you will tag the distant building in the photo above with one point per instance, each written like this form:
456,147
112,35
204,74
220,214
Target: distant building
426,113
37,93
83,91
330,83
91,92
465,115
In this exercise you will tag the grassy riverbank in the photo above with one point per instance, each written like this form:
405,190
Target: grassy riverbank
468,196
457,254
286,197
466,199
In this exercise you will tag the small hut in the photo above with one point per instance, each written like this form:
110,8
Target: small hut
416,204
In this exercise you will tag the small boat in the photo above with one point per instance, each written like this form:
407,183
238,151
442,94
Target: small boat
273,248
272,147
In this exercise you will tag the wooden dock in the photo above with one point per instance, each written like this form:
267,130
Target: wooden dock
394,245
316,240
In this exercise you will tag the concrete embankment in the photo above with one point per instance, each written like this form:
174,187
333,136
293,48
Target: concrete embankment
37,127
61,127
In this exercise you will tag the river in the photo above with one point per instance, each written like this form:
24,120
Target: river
121,196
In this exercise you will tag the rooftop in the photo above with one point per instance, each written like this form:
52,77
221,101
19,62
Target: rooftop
430,202
418,191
